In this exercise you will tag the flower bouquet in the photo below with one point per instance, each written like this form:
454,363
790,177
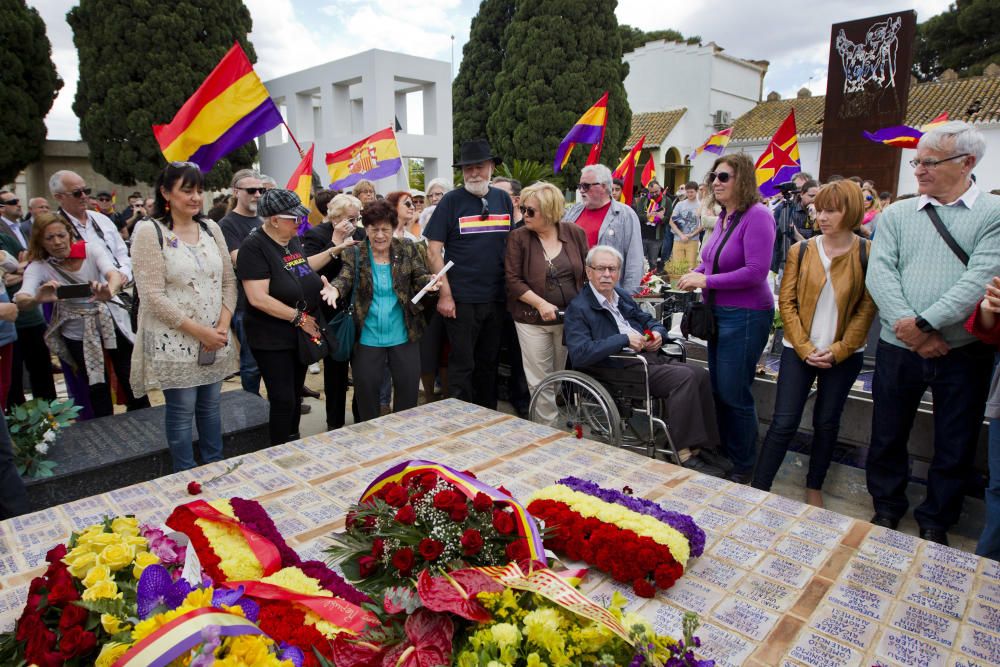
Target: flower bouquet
651,284
420,514
633,540
34,426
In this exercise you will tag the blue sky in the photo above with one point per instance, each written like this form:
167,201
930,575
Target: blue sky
290,35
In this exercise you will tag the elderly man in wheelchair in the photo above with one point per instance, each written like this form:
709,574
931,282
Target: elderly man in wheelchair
609,338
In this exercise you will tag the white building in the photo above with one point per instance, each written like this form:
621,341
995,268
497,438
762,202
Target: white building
344,101
680,94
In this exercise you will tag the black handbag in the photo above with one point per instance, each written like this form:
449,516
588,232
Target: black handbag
342,328
698,319
313,349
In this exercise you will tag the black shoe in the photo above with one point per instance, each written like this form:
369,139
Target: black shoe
716,459
740,476
934,535
698,465
309,393
884,521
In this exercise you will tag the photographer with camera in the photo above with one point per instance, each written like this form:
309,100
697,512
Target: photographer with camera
131,214
794,220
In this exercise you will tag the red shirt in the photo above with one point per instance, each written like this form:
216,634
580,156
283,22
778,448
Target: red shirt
590,220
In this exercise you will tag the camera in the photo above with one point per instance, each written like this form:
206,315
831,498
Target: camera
788,189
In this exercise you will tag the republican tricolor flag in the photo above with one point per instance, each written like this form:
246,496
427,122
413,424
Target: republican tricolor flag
374,157
588,130
716,143
648,173
904,136
780,160
301,181
230,108
626,170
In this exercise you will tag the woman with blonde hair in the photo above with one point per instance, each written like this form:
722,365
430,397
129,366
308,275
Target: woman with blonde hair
872,209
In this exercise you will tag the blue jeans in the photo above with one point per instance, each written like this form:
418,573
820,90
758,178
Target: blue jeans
667,248
249,373
959,383
732,364
200,404
795,381
989,541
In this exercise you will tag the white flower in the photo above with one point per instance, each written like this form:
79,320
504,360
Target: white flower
49,436
42,448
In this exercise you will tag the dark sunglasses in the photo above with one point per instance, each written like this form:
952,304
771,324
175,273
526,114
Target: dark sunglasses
869,198
586,186
10,202
104,199
79,192
253,191
527,211
723,176
486,209
408,204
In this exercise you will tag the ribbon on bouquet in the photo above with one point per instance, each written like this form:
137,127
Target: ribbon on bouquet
176,638
337,611
263,549
468,486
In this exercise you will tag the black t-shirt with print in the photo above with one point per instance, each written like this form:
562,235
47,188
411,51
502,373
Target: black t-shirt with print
476,245
291,280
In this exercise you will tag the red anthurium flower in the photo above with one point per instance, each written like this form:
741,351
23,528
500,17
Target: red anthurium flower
428,642
350,653
456,592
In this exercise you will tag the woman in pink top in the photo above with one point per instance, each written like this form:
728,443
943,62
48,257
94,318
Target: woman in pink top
733,278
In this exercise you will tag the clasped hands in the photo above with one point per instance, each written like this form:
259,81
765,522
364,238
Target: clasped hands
639,343
927,345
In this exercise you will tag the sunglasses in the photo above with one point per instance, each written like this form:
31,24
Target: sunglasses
722,176
253,191
408,204
527,211
10,202
104,199
355,220
79,192
869,198
586,186
486,210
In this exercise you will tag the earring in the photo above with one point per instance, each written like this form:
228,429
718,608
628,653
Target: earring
167,207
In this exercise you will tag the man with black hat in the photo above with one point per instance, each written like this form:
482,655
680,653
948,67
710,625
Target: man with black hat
471,224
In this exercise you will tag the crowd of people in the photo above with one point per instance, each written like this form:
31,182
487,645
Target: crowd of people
239,291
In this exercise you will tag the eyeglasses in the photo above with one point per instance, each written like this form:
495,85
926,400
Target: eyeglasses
408,204
604,269
723,176
932,164
355,220
10,202
869,198
287,217
486,209
435,196
584,187
104,199
527,211
79,192
253,191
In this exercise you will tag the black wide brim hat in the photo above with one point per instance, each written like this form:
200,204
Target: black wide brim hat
475,151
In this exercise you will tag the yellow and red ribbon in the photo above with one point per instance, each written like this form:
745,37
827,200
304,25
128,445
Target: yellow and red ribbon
335,610
179,636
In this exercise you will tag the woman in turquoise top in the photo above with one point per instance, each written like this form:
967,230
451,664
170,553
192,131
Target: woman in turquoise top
388,325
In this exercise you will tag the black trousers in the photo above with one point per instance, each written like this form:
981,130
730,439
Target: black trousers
369,368
13,497
31,352
335,388
475,333
121,361
283,375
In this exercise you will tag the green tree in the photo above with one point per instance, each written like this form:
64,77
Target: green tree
966,38
561,57
482,59
30,85
633,38
139,62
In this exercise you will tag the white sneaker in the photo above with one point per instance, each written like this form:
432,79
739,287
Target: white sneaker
314,369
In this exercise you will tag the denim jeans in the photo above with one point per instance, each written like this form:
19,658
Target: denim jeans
200,404
795,381
732,365
249,373
959,382
667,248
989,541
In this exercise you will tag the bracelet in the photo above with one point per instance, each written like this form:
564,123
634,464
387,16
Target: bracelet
297,320
331,252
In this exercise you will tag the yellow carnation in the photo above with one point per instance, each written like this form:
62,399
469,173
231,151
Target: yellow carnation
79,566
117,556
324,627
126,526
112,624
298,581
97,573
542,628
142,561
110,652
506,635
105,588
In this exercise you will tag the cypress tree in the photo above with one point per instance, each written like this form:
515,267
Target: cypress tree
561,57
139,62
30,84
482,59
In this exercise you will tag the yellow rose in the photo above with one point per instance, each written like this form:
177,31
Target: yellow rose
76,552
99,541
97,573
117,556
143,560
110,652
112,624
139,542
80,566
126,526
105,588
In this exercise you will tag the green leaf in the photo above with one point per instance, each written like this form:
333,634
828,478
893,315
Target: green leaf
115,607
321,659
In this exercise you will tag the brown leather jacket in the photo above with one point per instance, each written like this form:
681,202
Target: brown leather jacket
800,289
526,268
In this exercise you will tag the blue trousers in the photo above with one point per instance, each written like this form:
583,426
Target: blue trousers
795,381
989,541
201,405
959,383
732,364
667,248
249,372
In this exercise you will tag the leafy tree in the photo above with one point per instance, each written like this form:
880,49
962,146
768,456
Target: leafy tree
482,59
529,172
561,57
139,62
30,84
966,38
633,38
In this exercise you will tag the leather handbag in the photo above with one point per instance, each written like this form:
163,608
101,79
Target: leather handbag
698,319
342,328
313,349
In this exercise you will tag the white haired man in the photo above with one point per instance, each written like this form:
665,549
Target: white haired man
609,222
934,254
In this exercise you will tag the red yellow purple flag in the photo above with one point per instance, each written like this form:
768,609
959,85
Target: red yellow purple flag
626,170
904,136
230,108
588,130
374,157
301,181
716,143
780,160
648,173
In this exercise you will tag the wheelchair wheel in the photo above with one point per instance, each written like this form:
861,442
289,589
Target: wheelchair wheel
583,406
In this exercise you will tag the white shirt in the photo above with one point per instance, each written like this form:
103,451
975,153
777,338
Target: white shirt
967,199
15,229
612,307
112,242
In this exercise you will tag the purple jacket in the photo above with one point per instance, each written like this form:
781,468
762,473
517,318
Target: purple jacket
744,263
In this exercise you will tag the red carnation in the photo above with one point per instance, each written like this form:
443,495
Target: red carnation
378,547
72,615
194,488
503,522
395,495
367,566
643,588
76,642
459,512
472,542
444,500
402,560
482,502
518,550
430,549
407,515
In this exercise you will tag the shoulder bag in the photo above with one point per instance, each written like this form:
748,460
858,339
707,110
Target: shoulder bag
342,328
698,319
946,235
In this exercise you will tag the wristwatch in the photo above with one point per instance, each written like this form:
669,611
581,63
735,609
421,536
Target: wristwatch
924,325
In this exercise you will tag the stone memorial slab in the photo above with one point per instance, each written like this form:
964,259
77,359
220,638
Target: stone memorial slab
895,539
825,517
714,483
786,571
693,493
936,599
771,519
730,505
885,557
818,651
745,618
747,494
768,594
925,624
817,534
800,551
860,601
665,619
736,552
908,650
693,595
984,615
991,569
756,536
715,572
844,626
981,645
953,558
710,519
786,506
945,577
869,576
990,592
726,648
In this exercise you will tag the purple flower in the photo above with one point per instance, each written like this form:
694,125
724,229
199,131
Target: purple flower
234,598
293,653
212,639
682,523
156,588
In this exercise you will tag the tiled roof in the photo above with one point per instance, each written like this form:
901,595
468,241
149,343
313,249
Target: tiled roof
655,125
975,99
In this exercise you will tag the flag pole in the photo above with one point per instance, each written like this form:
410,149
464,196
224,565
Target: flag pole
292,137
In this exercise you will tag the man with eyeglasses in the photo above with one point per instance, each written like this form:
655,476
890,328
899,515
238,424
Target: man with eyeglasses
608,222
471,224
927,273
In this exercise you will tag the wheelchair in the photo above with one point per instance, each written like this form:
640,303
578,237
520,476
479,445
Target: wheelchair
607,405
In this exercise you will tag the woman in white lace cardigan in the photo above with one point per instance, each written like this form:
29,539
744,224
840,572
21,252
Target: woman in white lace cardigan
187,293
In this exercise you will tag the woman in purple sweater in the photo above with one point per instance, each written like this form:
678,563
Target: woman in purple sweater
733,274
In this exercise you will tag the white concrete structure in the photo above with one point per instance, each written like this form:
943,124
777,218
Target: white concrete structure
344,101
